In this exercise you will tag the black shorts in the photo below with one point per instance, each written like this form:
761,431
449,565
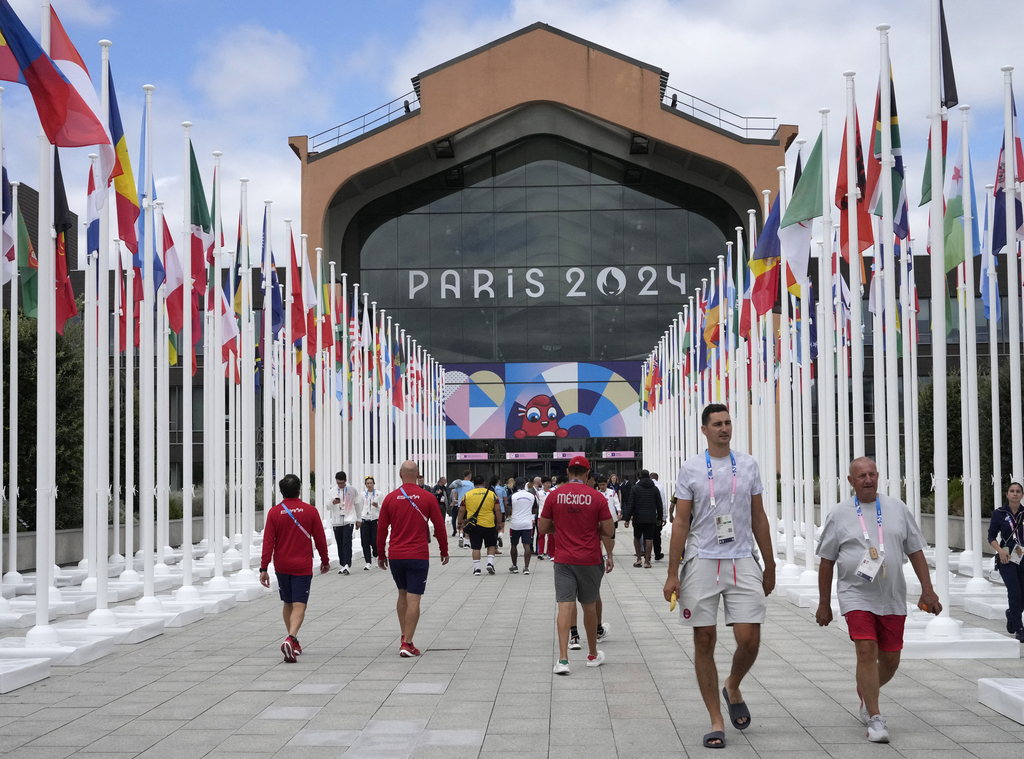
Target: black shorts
294,589
482,536
524,535
410,574
645,531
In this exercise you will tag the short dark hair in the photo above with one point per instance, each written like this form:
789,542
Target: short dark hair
494,480
577,471
712,408
479,480
654,475
544,479
561,479
520,483
601,478
644,474
290,485
341,476
467,473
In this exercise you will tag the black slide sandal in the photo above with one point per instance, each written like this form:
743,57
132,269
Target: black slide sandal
737,712
717,735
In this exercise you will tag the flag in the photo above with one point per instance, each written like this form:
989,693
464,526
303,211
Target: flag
126,198
64,54
175,282
327,337
989,263
276,304
745,315
298,308
66,118
948,80
241,268
865,237
309,302
900,208
200,223
63,222
926,180
764,264
122,310
730,299
999,217
28,271
138,263
806,321
8,264
92,229
354,338
397,397
712,317
805,205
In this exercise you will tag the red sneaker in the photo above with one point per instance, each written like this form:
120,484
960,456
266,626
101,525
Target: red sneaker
408,650
288,650
295,645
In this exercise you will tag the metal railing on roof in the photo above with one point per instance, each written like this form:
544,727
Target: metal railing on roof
352,128
755,127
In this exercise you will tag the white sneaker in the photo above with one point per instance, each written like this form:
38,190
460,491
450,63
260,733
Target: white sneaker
562,667
366,568
876,729
602,631
344,570
461,543
574,643
341,571
598,660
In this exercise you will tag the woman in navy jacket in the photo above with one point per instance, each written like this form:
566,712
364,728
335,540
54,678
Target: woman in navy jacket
1006,535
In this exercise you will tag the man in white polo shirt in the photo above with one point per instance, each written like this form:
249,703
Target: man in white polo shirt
721,489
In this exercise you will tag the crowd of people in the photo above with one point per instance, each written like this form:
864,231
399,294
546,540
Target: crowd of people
720,554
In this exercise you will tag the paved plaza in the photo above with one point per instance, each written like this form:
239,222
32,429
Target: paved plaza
484,686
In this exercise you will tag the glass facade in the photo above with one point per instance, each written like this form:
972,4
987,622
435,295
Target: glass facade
540,251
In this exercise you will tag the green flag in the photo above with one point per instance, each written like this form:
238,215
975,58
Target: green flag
28,271
805,205
953,224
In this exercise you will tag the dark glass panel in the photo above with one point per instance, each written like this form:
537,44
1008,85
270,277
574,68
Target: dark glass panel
445,239
606,237
380,251
512,329
413,237
510,230
574,238
542,239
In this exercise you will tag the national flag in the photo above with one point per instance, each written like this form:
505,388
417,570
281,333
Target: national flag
805,205
398,396
92,228
806,321
28,271
712,318
745,312
731,321
276,304
989,264
126,197
354,338
241,266
309,302
8,264
158,267
900,209
764,264
326,336
999,217
950,99
926,180
175,282
122,309
63,222
64,54
865,237
200,224
295,282
66,118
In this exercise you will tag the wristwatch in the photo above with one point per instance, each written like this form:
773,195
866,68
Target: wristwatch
262,570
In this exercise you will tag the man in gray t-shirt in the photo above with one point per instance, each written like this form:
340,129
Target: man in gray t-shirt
868,537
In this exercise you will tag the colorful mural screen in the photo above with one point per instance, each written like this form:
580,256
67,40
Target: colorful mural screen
554,400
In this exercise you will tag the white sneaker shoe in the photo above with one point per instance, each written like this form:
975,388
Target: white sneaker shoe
597,661
366,568
561,667
876,729
602,631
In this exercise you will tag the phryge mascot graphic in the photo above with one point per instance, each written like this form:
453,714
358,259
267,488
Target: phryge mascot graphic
540,419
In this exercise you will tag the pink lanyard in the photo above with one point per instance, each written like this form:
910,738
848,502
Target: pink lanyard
711,479
864,527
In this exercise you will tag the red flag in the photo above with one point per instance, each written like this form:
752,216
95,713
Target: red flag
62,223
864,234
298,307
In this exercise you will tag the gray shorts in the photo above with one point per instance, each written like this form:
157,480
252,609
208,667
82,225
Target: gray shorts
578,582
737,581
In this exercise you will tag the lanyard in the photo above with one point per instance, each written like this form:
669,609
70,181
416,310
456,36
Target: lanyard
304,530
711,478
1016,524
411,503
864,527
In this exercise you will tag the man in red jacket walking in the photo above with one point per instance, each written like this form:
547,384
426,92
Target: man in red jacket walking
408,512
290,527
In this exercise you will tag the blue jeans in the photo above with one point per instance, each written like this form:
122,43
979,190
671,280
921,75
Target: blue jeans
1013,579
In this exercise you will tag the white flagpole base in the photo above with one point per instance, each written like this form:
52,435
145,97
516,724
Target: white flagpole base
942,627
149,604
808,577
219,583
102,618
187,593
42,635
130,576
13,578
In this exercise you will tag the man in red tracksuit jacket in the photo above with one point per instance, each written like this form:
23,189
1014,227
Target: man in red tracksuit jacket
286,540
407,512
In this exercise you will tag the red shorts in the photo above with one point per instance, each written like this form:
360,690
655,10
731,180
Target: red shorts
886,630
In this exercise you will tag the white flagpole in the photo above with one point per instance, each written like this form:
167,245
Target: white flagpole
358,404
346,388
943,626
878,364
909,431
965,385
216,369
129,575
247,423
13,575
843,354
723,323
977,580
789,569
1012,175
186,592
738,346
322,476
162,403
333,406
305,399
826,342
288,364
915,412
993,355
364,390
269,488
892,400
809,576
88,561
856,296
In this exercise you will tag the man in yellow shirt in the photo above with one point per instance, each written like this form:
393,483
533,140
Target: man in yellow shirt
480,518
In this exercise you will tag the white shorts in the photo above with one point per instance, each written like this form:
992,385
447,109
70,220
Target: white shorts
738,581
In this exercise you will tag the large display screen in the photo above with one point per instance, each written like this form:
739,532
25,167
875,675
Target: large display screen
542,400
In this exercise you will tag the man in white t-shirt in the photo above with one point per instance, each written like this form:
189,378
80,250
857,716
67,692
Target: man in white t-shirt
866,538
721,489
524,508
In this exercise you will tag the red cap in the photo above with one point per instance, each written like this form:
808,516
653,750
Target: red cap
579,461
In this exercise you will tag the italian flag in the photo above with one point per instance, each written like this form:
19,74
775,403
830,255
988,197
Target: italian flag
202,228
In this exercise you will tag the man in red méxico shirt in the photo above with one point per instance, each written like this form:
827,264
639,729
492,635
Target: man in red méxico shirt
407,512
580,516
290,526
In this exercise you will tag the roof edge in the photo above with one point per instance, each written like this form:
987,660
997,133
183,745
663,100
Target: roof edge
539,25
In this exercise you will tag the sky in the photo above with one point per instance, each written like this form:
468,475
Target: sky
248,74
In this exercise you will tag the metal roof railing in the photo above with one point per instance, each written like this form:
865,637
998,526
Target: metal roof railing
751,127
358,126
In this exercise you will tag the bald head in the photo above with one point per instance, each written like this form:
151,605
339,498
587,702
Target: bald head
408,472
863,478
